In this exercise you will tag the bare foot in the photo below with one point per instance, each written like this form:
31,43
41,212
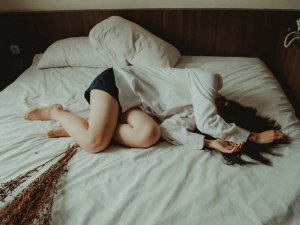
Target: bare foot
267,137
58,132
42,113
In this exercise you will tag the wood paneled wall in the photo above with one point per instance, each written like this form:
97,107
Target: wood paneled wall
194,32
253,33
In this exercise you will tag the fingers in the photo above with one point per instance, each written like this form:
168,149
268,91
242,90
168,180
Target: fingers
269,136
226,146
237,147
234,148
275,135
280,136
263,138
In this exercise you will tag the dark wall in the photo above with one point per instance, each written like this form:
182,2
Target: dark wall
252,33
288,69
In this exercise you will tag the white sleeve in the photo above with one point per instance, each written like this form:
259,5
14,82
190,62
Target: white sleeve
203,87
177,130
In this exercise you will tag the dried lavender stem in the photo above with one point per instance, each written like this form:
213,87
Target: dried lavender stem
34,203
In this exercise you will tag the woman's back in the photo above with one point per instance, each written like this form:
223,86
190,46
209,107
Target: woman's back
164,91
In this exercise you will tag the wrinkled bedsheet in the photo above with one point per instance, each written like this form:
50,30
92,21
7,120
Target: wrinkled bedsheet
165,184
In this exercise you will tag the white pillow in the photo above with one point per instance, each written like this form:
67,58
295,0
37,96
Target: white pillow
133,43
77,52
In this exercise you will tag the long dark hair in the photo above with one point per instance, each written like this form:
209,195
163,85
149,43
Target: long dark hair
247,118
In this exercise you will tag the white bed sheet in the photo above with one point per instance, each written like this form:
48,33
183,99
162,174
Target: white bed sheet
165,184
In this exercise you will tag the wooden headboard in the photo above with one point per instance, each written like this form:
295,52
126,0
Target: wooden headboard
252,33
194,32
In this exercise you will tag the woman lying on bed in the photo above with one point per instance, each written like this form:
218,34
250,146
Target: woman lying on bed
135,106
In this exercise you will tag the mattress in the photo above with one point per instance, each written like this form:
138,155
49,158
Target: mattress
164,184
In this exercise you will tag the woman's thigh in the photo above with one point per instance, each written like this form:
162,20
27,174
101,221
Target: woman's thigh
137,117
104,113
137,129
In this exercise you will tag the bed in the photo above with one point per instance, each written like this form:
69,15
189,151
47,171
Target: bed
164,184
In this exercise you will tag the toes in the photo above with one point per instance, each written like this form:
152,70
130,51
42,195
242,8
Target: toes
58,106
50,134
57,132
54,132
25,116
28,115
42,113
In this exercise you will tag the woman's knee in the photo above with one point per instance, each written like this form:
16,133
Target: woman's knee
95,144
148,135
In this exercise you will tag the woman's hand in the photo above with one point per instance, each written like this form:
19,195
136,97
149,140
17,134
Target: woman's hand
223,145
267,137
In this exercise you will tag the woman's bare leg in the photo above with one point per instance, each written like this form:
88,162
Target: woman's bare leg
93,135
136,129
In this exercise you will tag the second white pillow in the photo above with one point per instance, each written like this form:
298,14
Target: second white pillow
77,52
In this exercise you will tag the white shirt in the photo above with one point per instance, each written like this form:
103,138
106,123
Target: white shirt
182,99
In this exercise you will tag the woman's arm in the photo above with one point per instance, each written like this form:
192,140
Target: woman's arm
203,88
177,130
